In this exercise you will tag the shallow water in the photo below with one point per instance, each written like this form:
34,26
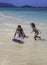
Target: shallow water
37,15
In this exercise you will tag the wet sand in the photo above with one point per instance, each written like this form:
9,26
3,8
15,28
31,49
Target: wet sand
30,53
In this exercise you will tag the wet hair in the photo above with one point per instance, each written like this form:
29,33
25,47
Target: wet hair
33,25
19,26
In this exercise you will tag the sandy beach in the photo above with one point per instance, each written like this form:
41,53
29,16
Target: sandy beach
30,53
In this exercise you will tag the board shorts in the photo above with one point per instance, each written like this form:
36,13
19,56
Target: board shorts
20,34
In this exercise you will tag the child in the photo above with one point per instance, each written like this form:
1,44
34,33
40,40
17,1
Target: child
20,32
35,30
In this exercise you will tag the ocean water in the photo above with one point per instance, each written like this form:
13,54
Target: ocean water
37,15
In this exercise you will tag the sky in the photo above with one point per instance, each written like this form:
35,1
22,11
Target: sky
26,2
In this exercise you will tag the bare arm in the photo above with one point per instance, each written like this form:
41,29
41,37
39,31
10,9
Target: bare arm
23,35
15,34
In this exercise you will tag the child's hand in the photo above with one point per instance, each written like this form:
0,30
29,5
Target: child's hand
32,32
40,31
14,37
22,37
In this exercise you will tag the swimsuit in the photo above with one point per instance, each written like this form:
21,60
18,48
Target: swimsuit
36,31
20,32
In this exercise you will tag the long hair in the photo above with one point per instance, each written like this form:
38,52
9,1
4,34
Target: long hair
33,25
19,26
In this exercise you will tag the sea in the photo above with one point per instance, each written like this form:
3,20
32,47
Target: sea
27,15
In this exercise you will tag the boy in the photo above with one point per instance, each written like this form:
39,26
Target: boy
35,30
20,32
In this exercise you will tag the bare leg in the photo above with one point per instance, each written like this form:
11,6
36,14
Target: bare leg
36,36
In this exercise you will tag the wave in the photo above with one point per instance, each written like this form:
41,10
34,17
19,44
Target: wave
2,14
5,30
18,20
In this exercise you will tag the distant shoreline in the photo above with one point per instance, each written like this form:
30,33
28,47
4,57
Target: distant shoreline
14,6
20,7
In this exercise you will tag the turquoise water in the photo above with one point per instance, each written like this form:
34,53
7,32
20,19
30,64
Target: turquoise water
38,15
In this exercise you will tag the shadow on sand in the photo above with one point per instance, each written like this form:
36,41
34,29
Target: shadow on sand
43,40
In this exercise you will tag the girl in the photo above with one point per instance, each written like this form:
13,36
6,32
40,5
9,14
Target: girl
20,32
35,30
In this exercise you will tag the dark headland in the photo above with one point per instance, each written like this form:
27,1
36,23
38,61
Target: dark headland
6,5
